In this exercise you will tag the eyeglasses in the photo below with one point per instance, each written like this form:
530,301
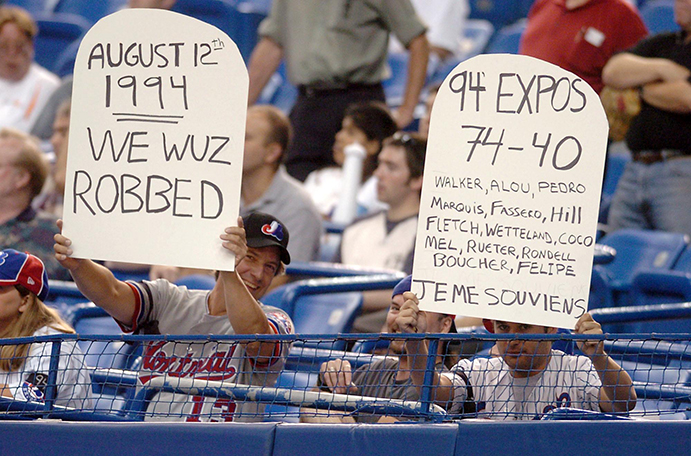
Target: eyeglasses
407,140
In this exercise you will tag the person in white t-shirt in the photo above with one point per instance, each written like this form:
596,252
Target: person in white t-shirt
528,378
25,86
369,124
25,368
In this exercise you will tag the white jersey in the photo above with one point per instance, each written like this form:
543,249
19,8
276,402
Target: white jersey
21,102
168,309
30,381
567,381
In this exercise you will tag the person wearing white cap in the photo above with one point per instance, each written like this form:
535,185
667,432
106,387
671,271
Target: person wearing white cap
24,368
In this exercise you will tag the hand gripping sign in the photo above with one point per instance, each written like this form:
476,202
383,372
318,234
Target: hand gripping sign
511,192
156,141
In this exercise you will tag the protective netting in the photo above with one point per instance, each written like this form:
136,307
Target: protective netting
345,378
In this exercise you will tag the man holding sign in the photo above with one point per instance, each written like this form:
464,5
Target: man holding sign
259,244
529,378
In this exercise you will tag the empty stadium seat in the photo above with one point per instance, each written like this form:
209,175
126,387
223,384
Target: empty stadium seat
279,91
635,250
90,10
88,319
658,16
34,7
240,26
331,313
617,158
498,12
684,261
55,33
507,39
197,282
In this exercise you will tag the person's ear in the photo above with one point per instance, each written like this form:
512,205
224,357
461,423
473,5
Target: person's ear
24,304
446,324
416,184
274,153
24,178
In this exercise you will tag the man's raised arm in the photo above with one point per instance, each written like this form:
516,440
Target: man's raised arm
96,282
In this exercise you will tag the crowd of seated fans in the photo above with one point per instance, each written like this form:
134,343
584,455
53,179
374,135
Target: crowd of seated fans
617,53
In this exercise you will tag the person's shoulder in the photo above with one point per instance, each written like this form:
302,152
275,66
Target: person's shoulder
42,73
367,218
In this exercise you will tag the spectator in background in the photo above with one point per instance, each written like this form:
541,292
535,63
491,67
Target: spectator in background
388,377
52,197
23,172
25,86
260,246
387,239
24,368
368,123
581,35
528,378
266,187
335,52
654,192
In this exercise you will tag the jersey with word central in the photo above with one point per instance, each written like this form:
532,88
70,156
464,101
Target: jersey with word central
567,381
163,308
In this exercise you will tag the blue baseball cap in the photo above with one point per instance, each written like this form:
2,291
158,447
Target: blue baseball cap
25,269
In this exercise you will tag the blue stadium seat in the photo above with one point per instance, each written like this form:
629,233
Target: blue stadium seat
240,26
617,158
86,318
659,287
293,380
394,86
89,9
197,282
684,261
55,33
326,313
507,39
636,250
64,64
499,12
279,91
34,7
658,16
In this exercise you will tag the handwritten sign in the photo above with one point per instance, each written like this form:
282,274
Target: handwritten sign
511,192
156,140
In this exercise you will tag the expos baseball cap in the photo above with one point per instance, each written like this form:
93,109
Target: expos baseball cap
264,230
25,269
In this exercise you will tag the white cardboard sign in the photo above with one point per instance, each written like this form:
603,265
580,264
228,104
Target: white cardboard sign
156,141
511,191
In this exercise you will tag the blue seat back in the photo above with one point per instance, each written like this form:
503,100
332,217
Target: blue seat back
658,16
684,261
507,39
637,250
197,282
498,12
34,7
55,33
326,313
90,10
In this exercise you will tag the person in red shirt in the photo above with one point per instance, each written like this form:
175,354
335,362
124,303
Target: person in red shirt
581,35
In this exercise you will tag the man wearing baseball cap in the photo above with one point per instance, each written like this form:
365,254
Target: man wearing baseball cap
389,377
24,368
529,377
260,245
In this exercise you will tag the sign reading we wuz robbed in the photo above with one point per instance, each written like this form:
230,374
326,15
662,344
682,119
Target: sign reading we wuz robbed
511,192
156,140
